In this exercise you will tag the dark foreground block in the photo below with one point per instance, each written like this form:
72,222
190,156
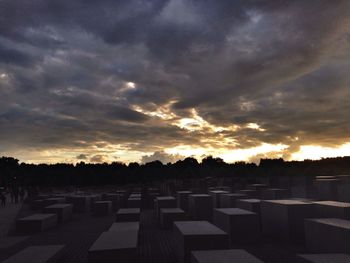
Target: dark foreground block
36,223
197,235
327,235
37,254
115,246
223,256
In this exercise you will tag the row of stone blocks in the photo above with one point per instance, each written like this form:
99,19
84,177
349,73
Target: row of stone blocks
286,220
53,215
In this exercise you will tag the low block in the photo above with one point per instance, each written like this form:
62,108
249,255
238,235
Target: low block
63,211
36,223
121,226
216,197
223,256
128,215
182,199
284,219
197,235
37,254
114,246
332,209
169,215
200,207
230,200
323,258
243,226
274,194
327,235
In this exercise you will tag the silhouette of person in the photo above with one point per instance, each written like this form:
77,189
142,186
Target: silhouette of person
16,194
12,195
3,199
22,194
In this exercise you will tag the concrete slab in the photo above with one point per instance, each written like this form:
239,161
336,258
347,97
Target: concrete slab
197,235
223,256
36,223
37,254
327,235
114,246
243,226
64,212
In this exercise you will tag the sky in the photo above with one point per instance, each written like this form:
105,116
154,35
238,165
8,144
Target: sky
140,80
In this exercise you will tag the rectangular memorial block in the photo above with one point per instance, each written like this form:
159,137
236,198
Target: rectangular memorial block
128,215
230,200
169,215
114,246
200,207
332,209
284,219
63,211
323,258
327,235
197,235
37,254
36,223
243,226
223,256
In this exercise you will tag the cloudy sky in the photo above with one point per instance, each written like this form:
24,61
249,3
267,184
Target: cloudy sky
116,80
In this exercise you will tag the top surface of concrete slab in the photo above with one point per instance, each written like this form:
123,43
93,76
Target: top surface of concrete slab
38,217
184,192
35,254
59,206
128,211
225,256
198,228
122,226
251,200
235,195
172,210
113,240
200,195
161,198
218,192
334,203
103,202
336,222
234,211
287,202
327,258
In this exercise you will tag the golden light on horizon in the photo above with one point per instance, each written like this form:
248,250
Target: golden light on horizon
315,152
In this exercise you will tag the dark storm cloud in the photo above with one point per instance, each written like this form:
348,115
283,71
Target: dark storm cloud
65,67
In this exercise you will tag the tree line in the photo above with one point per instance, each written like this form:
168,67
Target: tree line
13,173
